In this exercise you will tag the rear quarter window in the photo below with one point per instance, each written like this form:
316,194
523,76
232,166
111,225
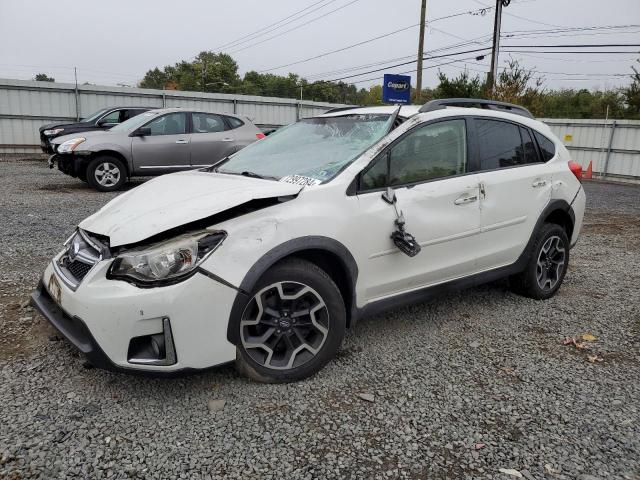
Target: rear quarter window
547,147
234,122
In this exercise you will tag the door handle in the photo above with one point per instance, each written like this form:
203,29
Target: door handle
466,198
182,141
228,139
539,183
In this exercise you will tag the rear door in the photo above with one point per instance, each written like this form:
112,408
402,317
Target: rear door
428,169
211,139
515,188
166,149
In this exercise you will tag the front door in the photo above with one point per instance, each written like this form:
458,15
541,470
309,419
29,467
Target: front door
210,141
166,149
428,170
515,188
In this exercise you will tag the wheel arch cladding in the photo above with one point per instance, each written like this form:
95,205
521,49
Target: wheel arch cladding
562,214
329,254
115,154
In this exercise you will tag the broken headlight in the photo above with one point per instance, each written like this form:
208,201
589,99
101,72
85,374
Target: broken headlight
165,262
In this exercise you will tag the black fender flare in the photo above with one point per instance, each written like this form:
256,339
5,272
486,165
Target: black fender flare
276,254
551,207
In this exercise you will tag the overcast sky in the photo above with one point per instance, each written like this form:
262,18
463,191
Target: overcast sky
117,41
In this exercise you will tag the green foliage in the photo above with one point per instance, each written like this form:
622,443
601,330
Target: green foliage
631,95
460,87
218,72
43,77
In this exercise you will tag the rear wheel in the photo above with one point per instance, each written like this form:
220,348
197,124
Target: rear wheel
106,173
292,325
547,264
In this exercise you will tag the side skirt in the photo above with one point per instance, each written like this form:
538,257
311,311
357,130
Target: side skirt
429,293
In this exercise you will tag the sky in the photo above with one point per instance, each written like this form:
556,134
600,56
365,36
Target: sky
117,41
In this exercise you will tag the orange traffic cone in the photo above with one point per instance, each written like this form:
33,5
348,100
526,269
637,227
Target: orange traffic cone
589,174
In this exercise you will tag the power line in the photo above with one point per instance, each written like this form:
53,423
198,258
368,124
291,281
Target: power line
369,40
295,28
254,34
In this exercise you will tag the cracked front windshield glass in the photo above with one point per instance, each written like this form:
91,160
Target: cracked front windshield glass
317,148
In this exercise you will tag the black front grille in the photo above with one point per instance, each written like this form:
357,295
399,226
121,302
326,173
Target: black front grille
78,269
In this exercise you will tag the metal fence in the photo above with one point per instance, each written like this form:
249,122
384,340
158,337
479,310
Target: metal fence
26,105
613,146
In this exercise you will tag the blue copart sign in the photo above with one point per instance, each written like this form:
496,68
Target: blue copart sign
396,89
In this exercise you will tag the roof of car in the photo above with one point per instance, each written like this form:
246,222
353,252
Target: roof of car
193,110
406,111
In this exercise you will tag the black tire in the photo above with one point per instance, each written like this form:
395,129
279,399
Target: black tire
537,281
322,297
106,165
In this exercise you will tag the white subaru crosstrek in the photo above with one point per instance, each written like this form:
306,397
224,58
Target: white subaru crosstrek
268,256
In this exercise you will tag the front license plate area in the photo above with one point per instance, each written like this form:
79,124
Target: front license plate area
53,286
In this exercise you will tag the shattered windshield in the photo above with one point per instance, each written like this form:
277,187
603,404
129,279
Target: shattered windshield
313,150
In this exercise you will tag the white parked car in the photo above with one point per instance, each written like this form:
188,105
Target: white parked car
267,257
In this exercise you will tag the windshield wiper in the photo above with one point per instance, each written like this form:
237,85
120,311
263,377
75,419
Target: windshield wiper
251,174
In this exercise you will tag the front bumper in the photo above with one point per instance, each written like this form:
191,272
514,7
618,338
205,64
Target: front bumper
102,316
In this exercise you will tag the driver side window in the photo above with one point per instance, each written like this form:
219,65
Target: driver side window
170,124
436,150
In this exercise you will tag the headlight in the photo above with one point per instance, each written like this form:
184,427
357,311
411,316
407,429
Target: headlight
166,261
53,131
70,145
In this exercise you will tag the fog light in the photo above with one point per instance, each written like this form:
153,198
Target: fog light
154,349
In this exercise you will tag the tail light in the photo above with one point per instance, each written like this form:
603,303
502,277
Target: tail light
260,135
576,169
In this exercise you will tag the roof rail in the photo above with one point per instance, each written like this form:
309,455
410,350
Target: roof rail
475,102
340,109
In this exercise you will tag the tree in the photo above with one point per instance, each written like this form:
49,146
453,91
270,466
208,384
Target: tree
208,72
43,77
631,95
460,87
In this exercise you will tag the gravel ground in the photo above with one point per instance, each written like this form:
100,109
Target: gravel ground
461,387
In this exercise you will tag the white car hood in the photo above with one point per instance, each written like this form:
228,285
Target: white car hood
177,199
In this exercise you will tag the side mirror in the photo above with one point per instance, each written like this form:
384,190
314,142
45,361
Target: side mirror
389,196
142,132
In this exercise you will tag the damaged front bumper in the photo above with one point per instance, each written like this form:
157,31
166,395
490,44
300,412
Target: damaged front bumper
68,164
121,327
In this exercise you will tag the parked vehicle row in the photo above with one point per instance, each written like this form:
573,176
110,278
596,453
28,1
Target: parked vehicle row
103,119
268,256
151,143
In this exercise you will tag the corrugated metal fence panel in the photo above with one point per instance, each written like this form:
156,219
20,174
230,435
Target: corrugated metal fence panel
592,141
26,105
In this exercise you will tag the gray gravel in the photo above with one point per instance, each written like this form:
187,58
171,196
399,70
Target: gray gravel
460,387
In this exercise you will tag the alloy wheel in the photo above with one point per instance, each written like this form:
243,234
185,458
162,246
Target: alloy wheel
284,325
107,174
550,264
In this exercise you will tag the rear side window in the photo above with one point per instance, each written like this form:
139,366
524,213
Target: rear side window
234,122
207,123
500,144
547,147
530,152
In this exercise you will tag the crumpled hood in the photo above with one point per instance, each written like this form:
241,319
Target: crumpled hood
177,199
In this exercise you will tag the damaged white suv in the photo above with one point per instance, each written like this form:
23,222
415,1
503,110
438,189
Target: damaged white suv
268,256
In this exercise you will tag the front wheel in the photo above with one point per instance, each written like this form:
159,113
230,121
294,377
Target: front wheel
106,173
292,325
547,266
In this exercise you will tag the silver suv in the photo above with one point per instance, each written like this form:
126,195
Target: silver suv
152,143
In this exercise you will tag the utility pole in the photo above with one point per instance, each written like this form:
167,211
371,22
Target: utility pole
77,93
204,67
423,14
495,51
